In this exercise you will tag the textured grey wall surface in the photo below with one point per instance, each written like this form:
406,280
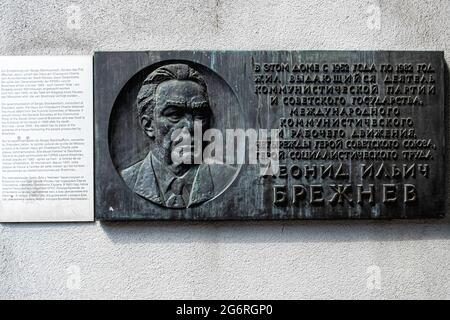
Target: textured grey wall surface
291,260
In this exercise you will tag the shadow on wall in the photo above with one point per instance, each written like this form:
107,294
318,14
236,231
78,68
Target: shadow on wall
293,231
277,231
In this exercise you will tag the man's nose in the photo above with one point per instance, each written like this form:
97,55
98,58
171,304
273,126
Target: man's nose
188,123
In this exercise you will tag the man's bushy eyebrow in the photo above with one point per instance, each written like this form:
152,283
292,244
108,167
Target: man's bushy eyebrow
200,104
180,102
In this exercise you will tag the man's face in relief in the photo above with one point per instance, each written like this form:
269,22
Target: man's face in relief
179,103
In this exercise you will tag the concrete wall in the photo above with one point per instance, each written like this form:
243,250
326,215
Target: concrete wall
355,259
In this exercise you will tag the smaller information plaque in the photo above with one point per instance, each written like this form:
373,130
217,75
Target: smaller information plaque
203,135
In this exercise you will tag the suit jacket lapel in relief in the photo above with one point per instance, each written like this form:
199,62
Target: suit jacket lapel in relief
203,186
146,184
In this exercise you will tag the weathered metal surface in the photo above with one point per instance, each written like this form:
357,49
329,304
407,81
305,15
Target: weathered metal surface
362,134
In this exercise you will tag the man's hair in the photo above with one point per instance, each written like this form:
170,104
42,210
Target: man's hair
146,96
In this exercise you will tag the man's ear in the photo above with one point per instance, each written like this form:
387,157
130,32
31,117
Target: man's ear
146,124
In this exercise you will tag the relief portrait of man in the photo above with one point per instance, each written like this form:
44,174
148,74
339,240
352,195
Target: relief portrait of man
173,97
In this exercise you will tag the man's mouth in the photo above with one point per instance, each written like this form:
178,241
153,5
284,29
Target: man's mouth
186,154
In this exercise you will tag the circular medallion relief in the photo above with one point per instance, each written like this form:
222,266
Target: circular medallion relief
150,118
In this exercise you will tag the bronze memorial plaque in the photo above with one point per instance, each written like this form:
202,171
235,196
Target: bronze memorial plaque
214,135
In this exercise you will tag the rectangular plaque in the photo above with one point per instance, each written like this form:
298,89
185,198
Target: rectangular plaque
214,135
46,131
